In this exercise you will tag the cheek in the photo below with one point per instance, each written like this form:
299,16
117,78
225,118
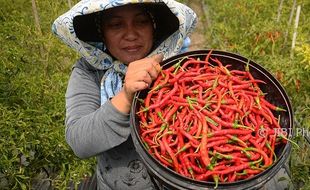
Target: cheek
109,43
149,36
110,40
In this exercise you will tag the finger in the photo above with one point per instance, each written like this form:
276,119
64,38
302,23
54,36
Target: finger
155,63
153,69
141,85
158,57
137,86
156,66
147,77
153,73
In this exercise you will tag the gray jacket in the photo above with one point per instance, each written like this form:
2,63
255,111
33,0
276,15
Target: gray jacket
119,165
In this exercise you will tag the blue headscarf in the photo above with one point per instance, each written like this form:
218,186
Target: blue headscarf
111,82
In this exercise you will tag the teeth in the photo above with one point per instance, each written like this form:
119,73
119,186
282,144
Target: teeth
132,50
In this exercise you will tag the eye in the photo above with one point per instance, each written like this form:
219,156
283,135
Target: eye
114,24
143,20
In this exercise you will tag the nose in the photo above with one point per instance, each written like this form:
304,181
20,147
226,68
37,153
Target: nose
131,33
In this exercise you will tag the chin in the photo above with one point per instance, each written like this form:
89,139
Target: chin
130,59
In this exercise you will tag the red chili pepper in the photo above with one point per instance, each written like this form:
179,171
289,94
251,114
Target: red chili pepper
204,144
188,166
225,171
271,106
223,149
171,154
236,139
217,143
229,131
267,161
208,56
162,160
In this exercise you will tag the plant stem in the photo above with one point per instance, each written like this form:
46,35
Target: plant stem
295,30
279,10
289,22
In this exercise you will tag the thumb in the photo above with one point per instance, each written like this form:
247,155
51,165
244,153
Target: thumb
158,57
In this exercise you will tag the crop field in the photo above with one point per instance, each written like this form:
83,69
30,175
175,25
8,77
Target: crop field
35,67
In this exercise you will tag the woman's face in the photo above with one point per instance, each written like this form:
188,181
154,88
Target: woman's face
128,33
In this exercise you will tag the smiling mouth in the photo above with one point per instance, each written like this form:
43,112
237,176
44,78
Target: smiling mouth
132,48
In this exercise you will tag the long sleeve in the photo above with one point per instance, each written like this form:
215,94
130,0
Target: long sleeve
90,128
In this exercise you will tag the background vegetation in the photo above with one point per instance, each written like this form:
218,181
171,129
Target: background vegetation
263,31
35,67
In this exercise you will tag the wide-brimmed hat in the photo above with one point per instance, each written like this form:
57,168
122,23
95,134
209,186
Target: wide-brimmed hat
86,29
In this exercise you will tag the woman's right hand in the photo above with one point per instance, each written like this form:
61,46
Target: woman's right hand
141,73
139,76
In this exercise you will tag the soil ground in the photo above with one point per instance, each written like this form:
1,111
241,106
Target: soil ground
198,37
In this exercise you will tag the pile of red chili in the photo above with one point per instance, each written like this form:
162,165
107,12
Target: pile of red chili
209,122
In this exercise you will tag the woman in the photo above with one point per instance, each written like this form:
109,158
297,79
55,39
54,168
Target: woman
121,43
